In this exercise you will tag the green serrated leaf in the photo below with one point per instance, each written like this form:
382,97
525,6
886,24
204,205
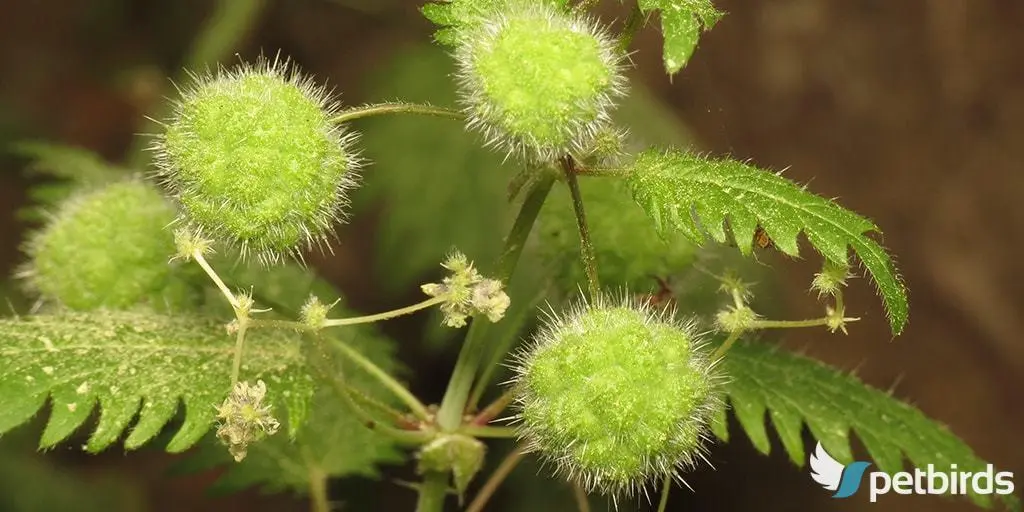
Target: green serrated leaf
698,195
333,443
797,390
456,15
682,22
74,167
124,360
439,188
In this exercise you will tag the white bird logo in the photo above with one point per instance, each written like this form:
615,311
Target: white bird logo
825,470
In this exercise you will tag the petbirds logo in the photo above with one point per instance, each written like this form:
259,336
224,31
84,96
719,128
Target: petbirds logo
845,480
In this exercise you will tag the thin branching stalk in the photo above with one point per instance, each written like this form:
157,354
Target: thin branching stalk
586,246
395,108
499,476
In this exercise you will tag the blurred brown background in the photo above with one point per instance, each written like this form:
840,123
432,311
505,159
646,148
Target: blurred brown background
911,112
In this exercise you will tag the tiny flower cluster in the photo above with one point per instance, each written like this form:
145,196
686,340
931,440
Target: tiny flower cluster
466,292
245,419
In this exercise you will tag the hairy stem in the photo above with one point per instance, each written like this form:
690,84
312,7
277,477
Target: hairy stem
665,487
395,387
225,26
433,301
396,108
586,246
634,23
499,475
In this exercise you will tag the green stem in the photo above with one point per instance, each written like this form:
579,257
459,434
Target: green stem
499,476
489,432
198,256
633,24
453,405
320,361
433,492
399,418
494,409
319,501
586,246
449,416
395,387
582,502
226,25
726,345
395,108
793,324
433,301
665,487
236,366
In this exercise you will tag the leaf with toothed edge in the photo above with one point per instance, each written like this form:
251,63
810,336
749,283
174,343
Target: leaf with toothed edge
794,390
694,194
138,363
455,15
682,22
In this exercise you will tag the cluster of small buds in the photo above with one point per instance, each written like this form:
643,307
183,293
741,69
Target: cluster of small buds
244,418
466,292
189,243
736,318
832,278
314,312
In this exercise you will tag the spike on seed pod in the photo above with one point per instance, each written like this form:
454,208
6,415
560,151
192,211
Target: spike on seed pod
538,82
616,395
254,158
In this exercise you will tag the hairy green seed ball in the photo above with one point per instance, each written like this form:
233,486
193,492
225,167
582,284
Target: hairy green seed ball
254,159
615,396
537,81
109,249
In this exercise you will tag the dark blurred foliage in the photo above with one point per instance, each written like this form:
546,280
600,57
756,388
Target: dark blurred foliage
910,111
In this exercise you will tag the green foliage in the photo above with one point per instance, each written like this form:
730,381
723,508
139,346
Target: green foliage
124,360
30,482
682,22
255,159
333,441
794,389
109,248
466,204
694,195
72,166
456,15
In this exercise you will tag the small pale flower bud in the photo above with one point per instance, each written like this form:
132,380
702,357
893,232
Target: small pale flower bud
245,419
466,292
